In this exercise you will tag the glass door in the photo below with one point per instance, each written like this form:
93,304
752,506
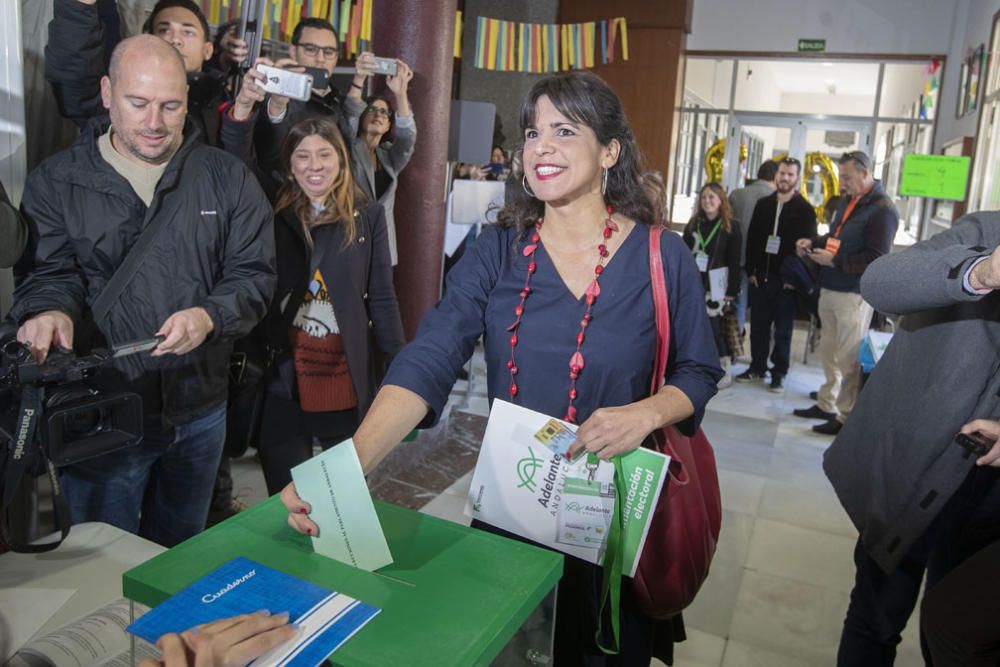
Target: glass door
817,143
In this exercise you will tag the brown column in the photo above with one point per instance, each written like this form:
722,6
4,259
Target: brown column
422,34
650,82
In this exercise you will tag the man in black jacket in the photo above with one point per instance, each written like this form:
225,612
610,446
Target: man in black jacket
314,44
206,278
779,220
75,62
861,231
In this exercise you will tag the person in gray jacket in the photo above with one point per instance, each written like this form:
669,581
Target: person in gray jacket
916,496
742,202
377,159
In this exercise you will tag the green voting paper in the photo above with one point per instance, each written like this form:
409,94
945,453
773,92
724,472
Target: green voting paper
349,531
935,176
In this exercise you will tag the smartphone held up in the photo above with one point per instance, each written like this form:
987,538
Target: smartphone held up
296,85
384,66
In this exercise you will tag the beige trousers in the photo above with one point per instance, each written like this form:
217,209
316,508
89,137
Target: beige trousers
845,318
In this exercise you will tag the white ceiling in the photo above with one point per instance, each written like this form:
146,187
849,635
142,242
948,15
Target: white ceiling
816,77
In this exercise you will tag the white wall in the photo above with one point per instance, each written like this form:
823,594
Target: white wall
856,26
975,21
838,105
903,85
710,80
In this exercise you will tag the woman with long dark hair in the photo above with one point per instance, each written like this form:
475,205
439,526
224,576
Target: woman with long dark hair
715,243
334,301
564,276
385,139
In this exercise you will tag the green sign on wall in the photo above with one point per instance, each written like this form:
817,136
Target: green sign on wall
935,176
812,45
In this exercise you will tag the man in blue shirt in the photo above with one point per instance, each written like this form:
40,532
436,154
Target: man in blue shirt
861,231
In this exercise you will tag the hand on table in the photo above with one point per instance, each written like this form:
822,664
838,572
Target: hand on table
228,642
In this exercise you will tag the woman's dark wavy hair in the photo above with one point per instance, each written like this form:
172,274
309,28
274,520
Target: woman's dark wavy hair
390,134
586,99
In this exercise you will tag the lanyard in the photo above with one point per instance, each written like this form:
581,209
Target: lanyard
847,211
704,243
777,215
614,565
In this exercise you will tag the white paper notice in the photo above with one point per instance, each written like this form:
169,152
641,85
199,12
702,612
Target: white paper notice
718,281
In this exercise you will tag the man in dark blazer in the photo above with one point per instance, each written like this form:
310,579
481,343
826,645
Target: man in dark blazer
918,499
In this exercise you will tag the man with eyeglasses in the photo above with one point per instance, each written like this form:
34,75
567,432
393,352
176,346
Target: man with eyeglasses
314,44
862,230
779,221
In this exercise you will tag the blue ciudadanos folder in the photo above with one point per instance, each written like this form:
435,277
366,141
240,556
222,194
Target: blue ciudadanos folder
326,619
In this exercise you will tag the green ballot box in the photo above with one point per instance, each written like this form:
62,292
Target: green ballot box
452,596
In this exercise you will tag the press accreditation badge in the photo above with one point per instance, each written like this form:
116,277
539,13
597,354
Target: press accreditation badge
773,244
701,259
585,513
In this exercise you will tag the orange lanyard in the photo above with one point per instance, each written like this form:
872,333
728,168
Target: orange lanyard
847,212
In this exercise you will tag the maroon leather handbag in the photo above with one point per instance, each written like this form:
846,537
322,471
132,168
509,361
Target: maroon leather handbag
688,517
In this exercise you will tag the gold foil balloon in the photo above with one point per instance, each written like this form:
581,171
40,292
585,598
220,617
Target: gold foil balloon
714,157
820,165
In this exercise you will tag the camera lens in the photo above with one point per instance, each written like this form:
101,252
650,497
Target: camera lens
85,423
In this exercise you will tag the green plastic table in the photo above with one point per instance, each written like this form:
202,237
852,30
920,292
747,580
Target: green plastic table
453,596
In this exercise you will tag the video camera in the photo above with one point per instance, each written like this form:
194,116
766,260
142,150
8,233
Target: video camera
59,409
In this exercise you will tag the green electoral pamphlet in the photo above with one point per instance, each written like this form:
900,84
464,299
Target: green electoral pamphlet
523,483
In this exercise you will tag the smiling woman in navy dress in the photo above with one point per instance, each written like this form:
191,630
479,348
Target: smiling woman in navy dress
568,262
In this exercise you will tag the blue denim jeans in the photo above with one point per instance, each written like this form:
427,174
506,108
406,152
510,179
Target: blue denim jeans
159,489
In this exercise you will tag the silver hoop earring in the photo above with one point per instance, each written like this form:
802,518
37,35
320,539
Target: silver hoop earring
604,183
524,184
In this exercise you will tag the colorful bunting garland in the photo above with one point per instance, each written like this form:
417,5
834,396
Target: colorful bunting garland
352,19
509,46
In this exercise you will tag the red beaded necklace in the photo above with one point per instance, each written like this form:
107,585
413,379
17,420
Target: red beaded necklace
576,361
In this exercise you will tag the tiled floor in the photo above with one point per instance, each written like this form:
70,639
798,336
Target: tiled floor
780,580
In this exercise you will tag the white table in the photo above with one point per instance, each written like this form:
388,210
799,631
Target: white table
91,561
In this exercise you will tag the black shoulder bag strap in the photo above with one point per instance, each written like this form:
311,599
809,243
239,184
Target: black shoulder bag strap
156,220
24,452
23,455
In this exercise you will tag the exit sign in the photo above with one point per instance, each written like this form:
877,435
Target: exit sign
812,45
